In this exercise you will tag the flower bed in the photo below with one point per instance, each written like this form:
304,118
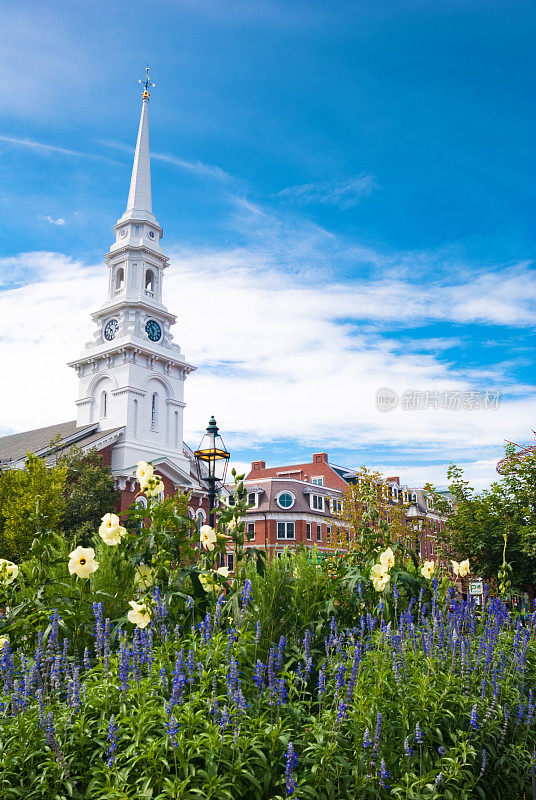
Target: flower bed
439,703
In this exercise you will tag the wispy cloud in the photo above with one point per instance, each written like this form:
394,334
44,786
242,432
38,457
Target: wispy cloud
48,148
52,220
197,167
344,194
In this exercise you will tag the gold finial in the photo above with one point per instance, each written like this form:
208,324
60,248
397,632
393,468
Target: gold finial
146,83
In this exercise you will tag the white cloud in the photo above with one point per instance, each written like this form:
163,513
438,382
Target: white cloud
197,167
280,356
52,220
42,147
344,194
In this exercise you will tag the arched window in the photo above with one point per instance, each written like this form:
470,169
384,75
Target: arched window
141,502
135,426
149,281
154,411
119,279
200,521
104,404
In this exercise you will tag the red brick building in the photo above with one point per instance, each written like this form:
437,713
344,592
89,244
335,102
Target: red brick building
295,505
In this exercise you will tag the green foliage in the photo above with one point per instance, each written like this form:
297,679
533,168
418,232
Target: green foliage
89,493
481,520
293,593
30,499
342,662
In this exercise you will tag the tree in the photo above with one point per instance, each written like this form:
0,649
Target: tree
31,499
477,527
89,492
369,517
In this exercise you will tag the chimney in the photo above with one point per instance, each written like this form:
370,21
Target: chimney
320,457
258,465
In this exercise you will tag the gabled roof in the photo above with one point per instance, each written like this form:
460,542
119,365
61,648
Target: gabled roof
348,475
15,447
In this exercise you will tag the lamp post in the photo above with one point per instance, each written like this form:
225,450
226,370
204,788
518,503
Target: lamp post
213,455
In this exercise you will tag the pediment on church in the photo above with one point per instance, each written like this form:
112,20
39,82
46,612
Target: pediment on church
167,469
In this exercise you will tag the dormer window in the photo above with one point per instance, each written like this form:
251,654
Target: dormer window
252,499
317,502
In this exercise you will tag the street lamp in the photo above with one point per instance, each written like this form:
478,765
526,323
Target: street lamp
214,456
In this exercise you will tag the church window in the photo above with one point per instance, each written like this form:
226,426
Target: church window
135,419
104,404
154,411
149,281
120,279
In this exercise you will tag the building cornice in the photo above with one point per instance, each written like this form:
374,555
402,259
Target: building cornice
133,350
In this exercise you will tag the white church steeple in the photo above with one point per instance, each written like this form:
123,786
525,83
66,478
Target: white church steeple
132,373
139,196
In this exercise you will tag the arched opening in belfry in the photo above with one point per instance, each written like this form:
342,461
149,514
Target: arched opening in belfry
149,280
120,279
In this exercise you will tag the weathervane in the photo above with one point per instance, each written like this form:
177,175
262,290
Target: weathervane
146,83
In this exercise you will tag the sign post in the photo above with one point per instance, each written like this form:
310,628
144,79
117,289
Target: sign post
476,590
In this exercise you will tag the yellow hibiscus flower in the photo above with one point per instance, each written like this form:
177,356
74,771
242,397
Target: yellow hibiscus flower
387,559
380,577
428,569
8,571
110,529
138,614
143,473
82,562
464,568
207,537
144,576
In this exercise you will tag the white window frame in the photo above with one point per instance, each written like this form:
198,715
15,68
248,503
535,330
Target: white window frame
230,562
286,529
255,501
318,480
309,529
319,533
285,491
250,527
315,498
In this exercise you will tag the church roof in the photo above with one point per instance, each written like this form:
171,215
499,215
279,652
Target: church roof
13,448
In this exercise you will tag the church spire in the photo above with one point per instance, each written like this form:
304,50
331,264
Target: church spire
139,196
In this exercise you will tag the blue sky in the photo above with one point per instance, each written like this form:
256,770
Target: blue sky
353,181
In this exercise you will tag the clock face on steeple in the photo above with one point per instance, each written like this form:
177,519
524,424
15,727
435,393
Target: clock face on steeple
153,330
110,329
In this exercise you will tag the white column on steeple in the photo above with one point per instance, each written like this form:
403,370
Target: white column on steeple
139,196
